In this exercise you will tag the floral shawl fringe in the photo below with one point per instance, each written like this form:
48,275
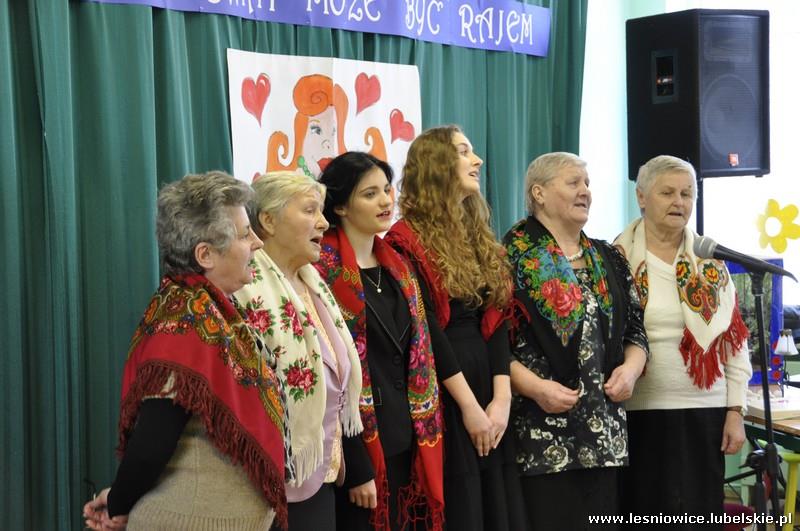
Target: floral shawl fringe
424,495
193,334
403,238
279,314
714,328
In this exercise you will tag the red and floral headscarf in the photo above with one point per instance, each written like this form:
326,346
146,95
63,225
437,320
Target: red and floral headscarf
193,334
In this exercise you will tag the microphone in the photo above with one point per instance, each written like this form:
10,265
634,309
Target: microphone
705,247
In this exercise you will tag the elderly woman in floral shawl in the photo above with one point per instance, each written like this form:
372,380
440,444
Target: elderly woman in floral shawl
298,316
578,349
201,424
687,409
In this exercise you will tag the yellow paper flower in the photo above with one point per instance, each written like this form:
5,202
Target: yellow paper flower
785,216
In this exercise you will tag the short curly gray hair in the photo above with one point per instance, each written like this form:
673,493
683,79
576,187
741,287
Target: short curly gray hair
544,168
274,189
650,171
194,210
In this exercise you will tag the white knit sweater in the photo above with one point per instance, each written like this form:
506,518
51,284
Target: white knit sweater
666,383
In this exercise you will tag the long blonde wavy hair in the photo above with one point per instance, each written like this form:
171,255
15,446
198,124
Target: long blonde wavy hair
469,258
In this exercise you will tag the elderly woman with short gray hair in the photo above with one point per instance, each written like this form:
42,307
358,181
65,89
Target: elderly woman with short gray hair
202,412
688,408
579,348
295,312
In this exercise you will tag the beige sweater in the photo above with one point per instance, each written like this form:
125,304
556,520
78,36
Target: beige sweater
200,489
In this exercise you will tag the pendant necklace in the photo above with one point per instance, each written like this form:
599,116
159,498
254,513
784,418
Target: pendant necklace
378,285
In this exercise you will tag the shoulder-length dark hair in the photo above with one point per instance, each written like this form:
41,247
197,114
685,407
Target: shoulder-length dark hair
342,176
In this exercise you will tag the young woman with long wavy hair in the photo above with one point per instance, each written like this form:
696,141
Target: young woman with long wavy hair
445,232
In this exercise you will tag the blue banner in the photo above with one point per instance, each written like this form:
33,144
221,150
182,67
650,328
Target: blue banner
503,25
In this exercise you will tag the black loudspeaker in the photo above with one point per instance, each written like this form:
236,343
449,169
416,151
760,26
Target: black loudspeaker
698,89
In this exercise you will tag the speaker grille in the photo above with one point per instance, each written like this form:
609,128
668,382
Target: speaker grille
698,89
730,89
729,121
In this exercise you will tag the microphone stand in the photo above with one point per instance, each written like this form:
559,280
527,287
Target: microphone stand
763,459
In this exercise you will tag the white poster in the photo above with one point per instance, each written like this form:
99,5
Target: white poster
297,113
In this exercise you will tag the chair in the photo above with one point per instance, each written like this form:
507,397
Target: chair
792,459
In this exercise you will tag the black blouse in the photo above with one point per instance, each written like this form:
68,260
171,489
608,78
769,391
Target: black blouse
153,441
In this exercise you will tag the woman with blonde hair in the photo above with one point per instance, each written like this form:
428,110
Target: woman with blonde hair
294,311
445,233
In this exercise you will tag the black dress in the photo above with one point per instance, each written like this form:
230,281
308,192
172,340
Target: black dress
479,492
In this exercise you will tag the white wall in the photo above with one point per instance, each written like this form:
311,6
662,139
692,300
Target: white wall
604,126
732,204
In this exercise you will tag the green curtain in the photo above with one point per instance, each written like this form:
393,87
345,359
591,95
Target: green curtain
102,104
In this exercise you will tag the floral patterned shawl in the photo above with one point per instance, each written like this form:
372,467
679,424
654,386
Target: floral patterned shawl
546,285
339,268
714,328
191,332
279,314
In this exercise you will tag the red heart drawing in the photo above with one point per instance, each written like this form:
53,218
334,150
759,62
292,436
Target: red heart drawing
368,91
400,128
255,94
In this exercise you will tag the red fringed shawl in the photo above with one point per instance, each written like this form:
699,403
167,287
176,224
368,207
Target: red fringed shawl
195,334
425,494
714,329
704,365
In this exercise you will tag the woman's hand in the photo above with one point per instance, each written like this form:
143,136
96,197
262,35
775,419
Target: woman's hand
365,495
96,514
479,427
476,422
619,386
733,433
553,397
498,411
500,406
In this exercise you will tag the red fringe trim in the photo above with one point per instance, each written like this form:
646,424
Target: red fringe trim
704,366
224,431
379,517
415,505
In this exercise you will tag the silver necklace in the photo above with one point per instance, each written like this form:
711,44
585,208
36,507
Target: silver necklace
574,257
378,285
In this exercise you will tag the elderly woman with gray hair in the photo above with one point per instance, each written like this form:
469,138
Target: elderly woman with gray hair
578,349
201,424
687,408
296,313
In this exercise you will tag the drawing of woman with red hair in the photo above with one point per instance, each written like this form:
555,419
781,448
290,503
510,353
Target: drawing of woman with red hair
318,129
